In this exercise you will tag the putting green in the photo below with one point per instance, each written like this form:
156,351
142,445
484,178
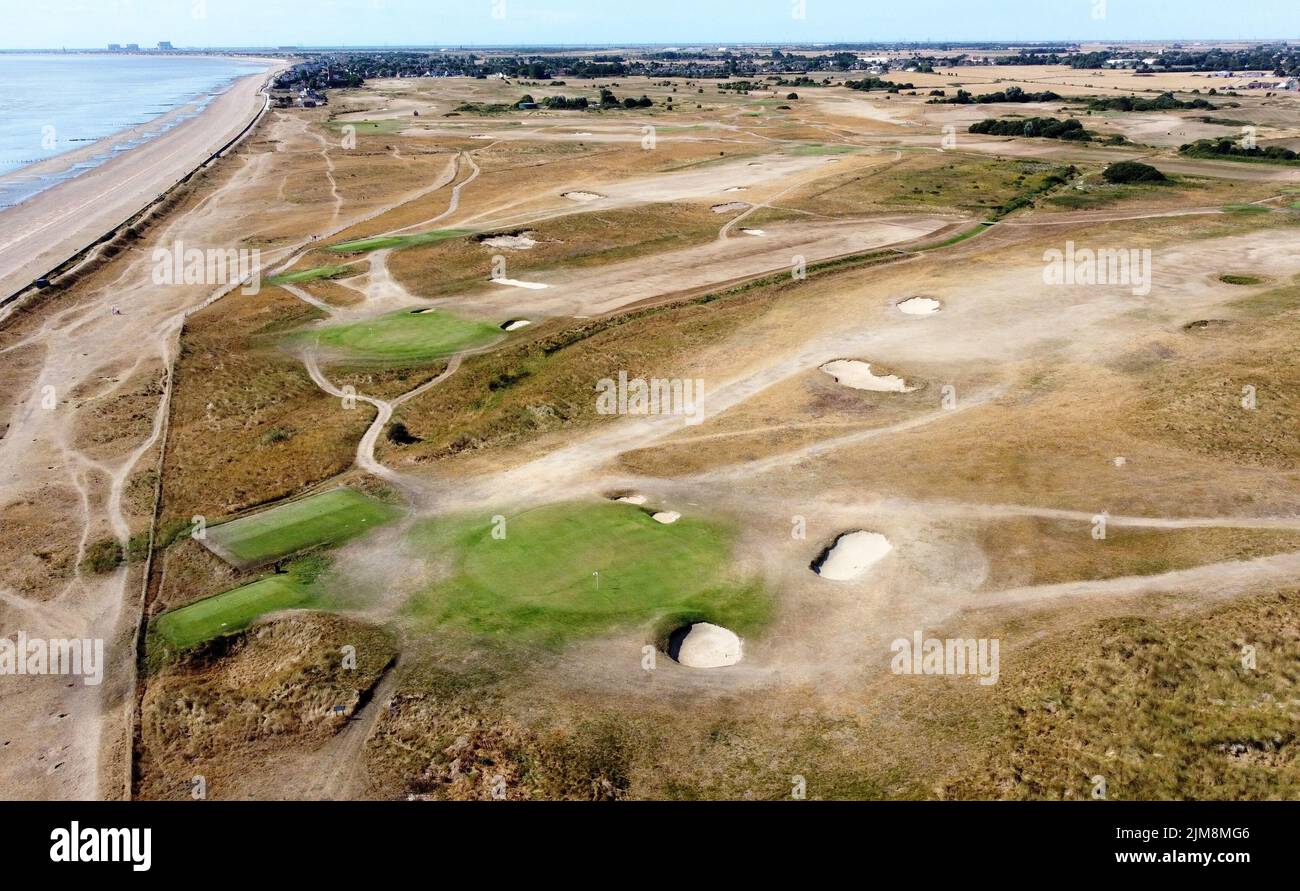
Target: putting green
327,518
406,336
539,584
397,241
232,611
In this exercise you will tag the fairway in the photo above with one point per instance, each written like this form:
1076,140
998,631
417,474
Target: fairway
397,242
539,583
328,518
406,336
230,612
309,275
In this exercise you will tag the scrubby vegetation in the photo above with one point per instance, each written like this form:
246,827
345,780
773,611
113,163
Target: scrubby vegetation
1132,172
1046,128
1010,94
1163,102
1227,148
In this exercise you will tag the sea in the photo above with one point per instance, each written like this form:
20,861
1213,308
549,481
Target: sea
61,102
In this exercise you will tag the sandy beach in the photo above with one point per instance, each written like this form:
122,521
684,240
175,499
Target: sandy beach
39,234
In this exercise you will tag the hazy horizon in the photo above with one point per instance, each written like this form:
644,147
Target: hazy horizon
232,24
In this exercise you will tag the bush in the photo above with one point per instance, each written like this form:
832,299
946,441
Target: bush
1133,172
103,556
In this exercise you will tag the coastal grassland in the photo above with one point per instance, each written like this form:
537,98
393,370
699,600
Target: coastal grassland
978,185
545,381
1161,706
248,426
402,337
573,570
327,518
1037,551
231,711
573,241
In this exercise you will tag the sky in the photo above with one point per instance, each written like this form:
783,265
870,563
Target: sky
30,24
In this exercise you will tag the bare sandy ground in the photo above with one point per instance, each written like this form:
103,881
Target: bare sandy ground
41,233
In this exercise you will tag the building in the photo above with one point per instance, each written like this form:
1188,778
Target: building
133,47
165,45
115,47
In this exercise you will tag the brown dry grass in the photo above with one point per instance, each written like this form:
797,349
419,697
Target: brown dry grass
224,710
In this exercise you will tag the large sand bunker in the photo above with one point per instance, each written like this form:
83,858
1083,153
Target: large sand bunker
704,645
852,554
581,196
515,324
919,306
856,374
667,517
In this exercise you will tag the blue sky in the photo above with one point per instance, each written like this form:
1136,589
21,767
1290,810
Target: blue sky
94,23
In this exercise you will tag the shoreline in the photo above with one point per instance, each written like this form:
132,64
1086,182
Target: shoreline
58,224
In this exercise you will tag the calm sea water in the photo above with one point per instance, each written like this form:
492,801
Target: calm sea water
50,104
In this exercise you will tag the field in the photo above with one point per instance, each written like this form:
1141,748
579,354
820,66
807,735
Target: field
327,518
1099,472
573,570
403,337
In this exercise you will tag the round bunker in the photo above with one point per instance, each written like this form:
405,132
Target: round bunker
919,306
704,645
667,517
856,374
852,554
582,196
514,324
758,233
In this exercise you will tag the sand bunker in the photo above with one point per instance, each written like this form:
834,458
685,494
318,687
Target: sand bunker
852,554
666,516
516,283
581,196
919,306
737,189
729,207
515,324
856,374
753,231
704,645
521,241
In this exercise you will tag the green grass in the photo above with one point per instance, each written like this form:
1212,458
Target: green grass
309,275
820,149
327,518
1245,208
1229,278
405,336
387,126
397,242
537,585
233,611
